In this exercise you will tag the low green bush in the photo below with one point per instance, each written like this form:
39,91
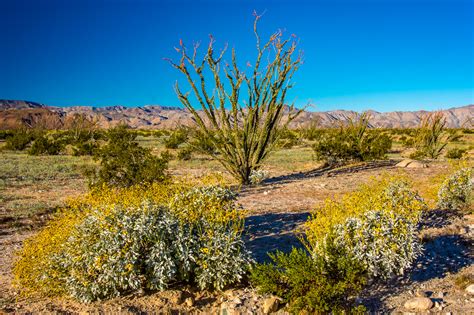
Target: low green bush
44,145
185,153
124,163
176,138
455,153
352,142
321,283
19,139
288,138
456,191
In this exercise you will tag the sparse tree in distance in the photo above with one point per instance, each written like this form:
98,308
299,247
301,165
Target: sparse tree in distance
242,132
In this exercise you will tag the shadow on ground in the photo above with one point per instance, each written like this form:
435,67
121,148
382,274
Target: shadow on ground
272,231
442,255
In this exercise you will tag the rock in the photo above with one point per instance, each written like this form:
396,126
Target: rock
189,301
417,164
421,293
404,163
176,297
408,163
419,304
237,301
463,230
470,289
271,304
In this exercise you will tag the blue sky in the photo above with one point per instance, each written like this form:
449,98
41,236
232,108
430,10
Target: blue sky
380,54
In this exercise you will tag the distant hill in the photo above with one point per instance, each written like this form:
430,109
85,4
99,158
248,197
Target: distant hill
15,113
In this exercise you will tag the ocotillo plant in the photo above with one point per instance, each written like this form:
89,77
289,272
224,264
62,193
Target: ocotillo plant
429,139
242,131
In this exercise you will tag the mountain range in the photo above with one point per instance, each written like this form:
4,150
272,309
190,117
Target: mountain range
15,113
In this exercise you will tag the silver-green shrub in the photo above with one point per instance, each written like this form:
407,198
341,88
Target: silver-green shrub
117,249
257,176
455,192
384,242
121,249
222,258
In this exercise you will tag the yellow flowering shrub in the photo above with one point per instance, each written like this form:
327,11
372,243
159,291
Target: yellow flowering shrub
376,224
391,194
113,240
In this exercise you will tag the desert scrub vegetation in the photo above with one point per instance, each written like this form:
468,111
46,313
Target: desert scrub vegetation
431,137
369,234
352,141
246,132
114,241
124,163
455,192
455,153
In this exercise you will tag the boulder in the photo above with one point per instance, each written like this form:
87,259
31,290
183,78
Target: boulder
470,289
404,163
417,164
419,304
271,304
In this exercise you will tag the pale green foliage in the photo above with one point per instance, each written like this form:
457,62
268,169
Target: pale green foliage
113,242
377,225
384,243
125,249
455,192
257,176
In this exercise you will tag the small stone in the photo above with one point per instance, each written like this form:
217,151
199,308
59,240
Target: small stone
176,297
421,293
271,304
237,301
419,303
189,301
463,231
470,289
440,295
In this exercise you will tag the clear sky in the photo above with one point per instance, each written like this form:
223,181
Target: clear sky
359,54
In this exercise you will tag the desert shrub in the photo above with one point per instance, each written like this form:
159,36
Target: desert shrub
176,138
370,234
114,241
288,138
124,163
4,134
245,130
455,153
430,139
390,194
352,142
321,284
45,145
19,139
257,176
381,217
455,192
185,153
385,244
